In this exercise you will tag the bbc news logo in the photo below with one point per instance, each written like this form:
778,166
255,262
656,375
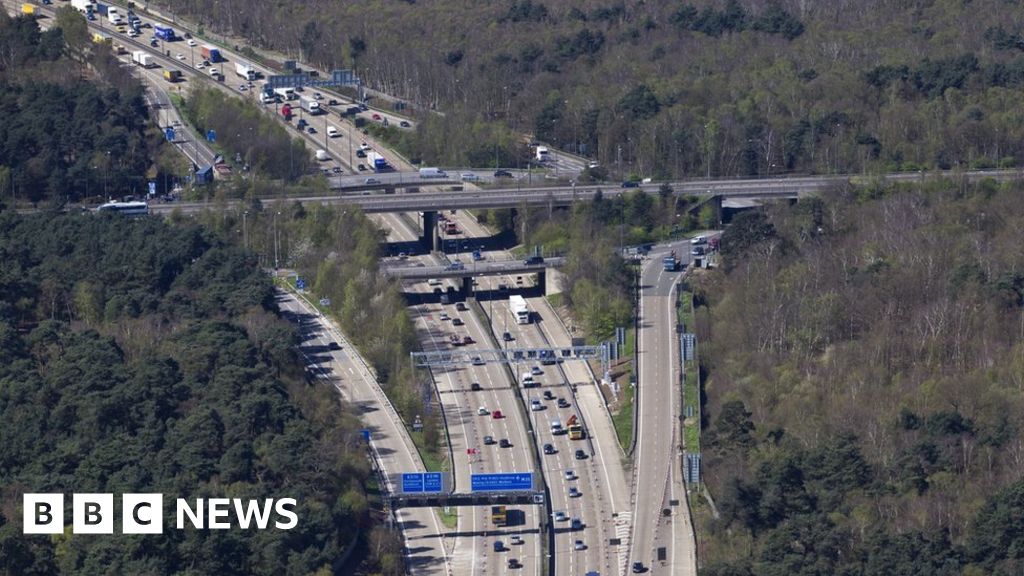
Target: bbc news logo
144,513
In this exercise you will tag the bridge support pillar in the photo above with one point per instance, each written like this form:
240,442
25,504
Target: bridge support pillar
467,287
542,281
429,237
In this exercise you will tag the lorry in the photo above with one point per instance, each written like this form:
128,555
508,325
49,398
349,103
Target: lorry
576,431
100,38
246,71
377,162
172,75
210,53
86,7
285,93
143,59
669,263
114,16
310,105
165,33
432,173
542,154
520,311
286,112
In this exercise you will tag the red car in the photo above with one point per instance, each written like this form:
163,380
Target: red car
497,415
376,117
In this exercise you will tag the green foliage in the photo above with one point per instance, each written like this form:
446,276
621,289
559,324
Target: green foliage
64,138
187,385
835,397
242,128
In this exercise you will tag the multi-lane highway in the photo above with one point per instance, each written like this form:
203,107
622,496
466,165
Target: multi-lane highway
426,550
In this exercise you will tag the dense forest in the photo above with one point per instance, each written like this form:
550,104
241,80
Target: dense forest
138,356
864,365
684,88
74,120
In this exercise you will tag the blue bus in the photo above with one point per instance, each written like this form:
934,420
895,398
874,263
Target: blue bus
165,33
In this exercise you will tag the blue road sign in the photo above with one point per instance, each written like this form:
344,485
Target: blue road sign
211,135
366,434
300,283
501,482
169,134
423,482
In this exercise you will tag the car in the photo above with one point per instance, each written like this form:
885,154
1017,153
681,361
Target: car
514,564
469,177
593,164
532,260
549,395
488,440
360,154
638,567
363,107
444,316
300,89
311,130
574,492
337,170
478,361
497,415
333,346
698,240
457,322
361,168
560,516
549,449
581,455
482,411
516,540
502,287
318,96
332,102
372,181
154,43
502,174
697,251
570,475
504,443
507,337
188,35
475,387
133,34
536,371
519,279
179,56
191,42
498,546
242,88
579,545
301,123
535,405
563,403
440,291
460,306
468,340
630,184
376,117
363,147
405,124
576,524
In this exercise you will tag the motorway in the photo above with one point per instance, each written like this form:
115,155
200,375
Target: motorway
658,447
426,551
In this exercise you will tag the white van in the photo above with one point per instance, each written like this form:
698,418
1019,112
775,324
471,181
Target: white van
333,132
321,155
433,282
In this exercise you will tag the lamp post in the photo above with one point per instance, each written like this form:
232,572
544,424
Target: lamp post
275,240
245,230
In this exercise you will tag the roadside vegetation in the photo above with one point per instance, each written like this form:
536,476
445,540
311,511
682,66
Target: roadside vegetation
139,356
688,88
864,407
74,121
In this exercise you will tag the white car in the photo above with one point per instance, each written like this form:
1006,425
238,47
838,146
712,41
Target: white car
482,411
372,181
470,177
570,475
180,56
579,545
444,316
318,96
191,42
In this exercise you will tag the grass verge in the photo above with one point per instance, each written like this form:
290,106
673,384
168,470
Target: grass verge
449,517
433,460
623,419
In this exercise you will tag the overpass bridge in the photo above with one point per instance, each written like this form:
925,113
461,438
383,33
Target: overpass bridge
466,273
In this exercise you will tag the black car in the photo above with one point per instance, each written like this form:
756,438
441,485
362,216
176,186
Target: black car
638,567
531,260
360,154
549,449
404,124
502,174
460,306
581,455
361,167
504,443
488,440
475,387
457,322
514,564
332,102
333,346
336,170
311,130
630,184
548,395
507,337
563,403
